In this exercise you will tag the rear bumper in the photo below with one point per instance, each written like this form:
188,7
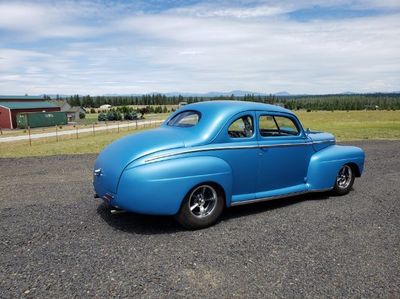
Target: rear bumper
100,192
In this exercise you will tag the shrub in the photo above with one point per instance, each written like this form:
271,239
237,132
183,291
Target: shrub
102,117
113,115
82,115
130,116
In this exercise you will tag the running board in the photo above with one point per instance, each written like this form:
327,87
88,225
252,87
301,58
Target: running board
245,202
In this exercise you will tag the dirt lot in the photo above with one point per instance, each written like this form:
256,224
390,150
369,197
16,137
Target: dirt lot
57,241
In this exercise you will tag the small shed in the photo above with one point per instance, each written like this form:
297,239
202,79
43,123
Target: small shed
74,112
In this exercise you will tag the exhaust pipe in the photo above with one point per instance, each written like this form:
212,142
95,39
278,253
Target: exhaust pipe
117,211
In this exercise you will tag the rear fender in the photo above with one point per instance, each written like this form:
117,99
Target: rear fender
325,165
160,187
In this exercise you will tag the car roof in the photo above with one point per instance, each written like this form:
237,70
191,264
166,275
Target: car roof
232,107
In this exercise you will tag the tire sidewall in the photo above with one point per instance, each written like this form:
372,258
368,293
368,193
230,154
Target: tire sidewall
342,191
188,220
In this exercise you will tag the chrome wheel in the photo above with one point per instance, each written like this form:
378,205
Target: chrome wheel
202,201
345,176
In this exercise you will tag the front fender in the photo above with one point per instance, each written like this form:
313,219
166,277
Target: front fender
160,187
325,165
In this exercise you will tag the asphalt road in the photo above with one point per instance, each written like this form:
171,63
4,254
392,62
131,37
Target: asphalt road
57,241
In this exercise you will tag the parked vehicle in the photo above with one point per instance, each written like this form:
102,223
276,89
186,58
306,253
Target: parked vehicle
211,155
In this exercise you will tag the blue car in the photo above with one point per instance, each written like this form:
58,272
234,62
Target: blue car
211,155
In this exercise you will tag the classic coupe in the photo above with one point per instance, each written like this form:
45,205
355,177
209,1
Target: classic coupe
211,155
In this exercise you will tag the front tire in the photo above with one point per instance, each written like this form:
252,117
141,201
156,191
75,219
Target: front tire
202,207
344,180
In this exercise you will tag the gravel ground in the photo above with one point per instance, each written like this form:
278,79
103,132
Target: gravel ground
57,241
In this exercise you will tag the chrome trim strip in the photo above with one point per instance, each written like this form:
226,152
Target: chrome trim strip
284,144
323,141
245,202
194,150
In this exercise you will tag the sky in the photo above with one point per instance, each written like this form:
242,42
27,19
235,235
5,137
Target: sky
133,47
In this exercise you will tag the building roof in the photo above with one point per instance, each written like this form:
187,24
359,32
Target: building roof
76,109
21,98
59,103
27,105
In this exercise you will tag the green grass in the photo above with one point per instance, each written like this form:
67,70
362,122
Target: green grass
67,145
353,125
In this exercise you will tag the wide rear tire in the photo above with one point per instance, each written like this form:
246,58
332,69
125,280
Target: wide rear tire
202,207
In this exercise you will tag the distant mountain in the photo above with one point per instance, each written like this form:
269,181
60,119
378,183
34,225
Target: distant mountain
236,93
282,93
211,94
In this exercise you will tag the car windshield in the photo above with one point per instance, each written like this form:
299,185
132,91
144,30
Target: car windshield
185,119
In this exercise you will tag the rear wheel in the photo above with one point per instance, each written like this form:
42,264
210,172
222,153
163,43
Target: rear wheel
344,180
202,207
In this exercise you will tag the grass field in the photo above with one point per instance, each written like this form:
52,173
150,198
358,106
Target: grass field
353,125
67,145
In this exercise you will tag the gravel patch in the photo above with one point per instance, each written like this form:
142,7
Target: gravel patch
57,241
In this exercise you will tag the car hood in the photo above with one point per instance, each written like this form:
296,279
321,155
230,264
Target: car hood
115,157
321,140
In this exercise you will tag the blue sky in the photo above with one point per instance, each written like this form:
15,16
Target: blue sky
103,47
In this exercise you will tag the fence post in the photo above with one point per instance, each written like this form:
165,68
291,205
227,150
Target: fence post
94,134
106,127
136,124
29,132
56,133
1,130
118,126
77,132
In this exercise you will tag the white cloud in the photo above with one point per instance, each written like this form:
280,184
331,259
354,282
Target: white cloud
197,48
212,10
31,21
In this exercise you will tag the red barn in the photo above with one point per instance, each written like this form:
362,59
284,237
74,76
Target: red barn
11,106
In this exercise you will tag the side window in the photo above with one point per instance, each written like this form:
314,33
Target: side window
277,126
242,127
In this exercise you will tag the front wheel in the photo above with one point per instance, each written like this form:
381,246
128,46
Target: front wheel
344,180
201,208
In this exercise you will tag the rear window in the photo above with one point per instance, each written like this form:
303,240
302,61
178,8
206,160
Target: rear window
185,119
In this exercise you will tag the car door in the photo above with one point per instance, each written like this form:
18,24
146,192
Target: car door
284,154
238,141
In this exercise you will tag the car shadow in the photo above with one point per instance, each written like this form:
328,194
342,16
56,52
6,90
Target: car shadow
149,225
269,205
138,223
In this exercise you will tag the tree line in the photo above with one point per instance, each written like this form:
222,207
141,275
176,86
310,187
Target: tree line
375,101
